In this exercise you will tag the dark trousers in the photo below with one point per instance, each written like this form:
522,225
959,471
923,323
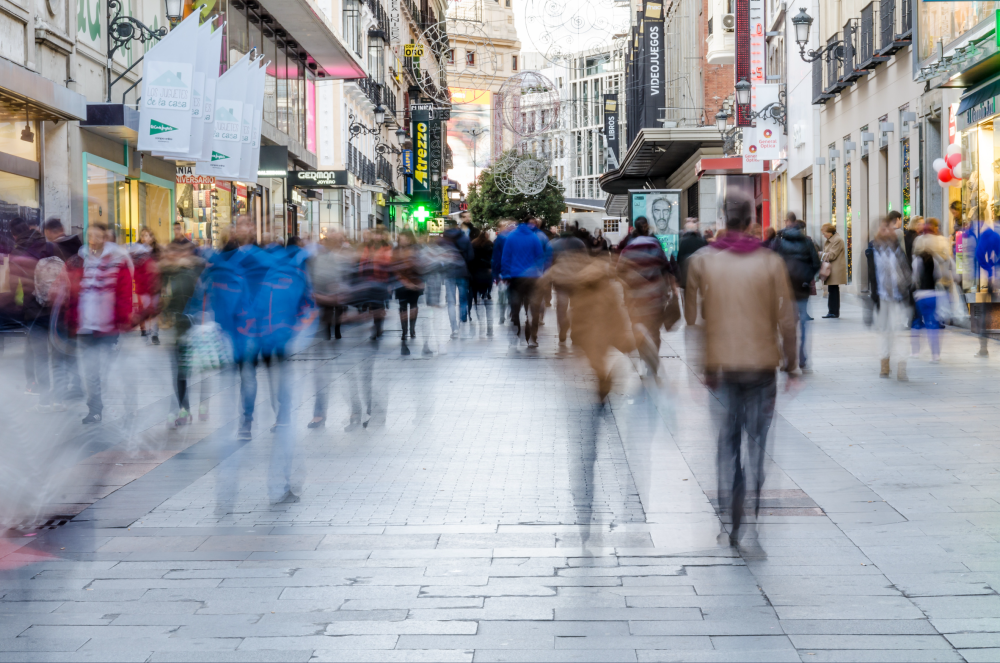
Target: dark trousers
834,299
522,295
96,350
747,399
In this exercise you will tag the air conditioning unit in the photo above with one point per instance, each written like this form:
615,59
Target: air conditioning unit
729,23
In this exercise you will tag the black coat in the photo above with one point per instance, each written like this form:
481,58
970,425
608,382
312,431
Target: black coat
801,258
690,242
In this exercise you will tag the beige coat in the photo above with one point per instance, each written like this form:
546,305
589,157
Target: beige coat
833,253
748,307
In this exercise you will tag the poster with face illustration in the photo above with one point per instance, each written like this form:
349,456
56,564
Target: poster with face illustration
662,210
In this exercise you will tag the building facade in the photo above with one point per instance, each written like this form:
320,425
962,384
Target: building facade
78,161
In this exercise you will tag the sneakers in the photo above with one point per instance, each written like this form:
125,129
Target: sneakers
533,343
155,340
33,390
183,418
245,432
92,418
288,498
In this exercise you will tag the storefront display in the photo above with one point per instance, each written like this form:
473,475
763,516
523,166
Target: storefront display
203,206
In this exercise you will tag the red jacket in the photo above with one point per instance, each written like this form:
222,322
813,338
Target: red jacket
108,276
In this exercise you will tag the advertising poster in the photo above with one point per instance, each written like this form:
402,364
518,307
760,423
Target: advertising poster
662,209
469,134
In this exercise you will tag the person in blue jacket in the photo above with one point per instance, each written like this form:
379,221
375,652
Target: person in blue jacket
522,264
505,228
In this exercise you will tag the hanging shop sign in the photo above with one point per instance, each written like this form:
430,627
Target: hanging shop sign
752,163
421,128
395,23
653,63
413,50
167,90
407,162
435,161
768,134
317,179
611,123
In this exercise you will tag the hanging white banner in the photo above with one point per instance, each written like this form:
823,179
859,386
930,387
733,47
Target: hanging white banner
227,121
167,90
752,163
258,117
203,65
769,132
208,102
395,23
246,126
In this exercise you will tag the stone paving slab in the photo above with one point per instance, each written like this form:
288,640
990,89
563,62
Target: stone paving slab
497,515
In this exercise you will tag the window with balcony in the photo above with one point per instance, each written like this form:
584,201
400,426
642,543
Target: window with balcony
450,56
470,58
352,24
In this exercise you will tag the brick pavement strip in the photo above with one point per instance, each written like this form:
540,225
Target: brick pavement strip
496,515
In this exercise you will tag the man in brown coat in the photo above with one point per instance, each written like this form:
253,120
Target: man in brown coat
750,331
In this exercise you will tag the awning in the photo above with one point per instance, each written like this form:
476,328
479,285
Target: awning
652,158
115,121
978,95
27,95
307,25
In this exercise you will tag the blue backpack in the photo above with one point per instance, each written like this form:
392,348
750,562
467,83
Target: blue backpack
284,304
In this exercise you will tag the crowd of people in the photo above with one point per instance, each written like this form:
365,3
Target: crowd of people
249,303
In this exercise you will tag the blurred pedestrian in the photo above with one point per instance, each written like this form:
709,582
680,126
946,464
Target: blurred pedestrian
565,247
331,271
913,230
523,263
481,278
933,276
505,227
406,268
649,292
834,272
66,245
30,249
145,258
374,270
749,330
180,269
99,307
892,276
803,264
690,242
457,257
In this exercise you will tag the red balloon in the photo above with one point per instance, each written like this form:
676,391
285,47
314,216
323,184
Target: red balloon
953,160
945,175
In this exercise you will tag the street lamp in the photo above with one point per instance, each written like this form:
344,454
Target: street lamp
743,92
721,120
401,135
802,22
379,115
174,10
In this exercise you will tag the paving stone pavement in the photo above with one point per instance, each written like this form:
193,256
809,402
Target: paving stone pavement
490,511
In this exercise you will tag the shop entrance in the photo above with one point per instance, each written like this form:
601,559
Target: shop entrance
127,204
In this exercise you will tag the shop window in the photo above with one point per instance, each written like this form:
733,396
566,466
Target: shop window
610,225
107,197
18,198
11,143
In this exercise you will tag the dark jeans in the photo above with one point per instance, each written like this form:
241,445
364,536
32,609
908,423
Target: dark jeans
834,298
96,350
747,399
522,294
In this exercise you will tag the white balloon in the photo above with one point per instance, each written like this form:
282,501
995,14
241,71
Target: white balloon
954,148
945,185
956,170
939,164
957,184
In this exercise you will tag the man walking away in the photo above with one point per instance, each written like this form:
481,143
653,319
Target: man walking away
523,258
691,240
803,263
747,304
505,228
565,246
456,284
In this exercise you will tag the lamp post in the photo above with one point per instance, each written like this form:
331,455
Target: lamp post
802,22
743,92
174,10
475,133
